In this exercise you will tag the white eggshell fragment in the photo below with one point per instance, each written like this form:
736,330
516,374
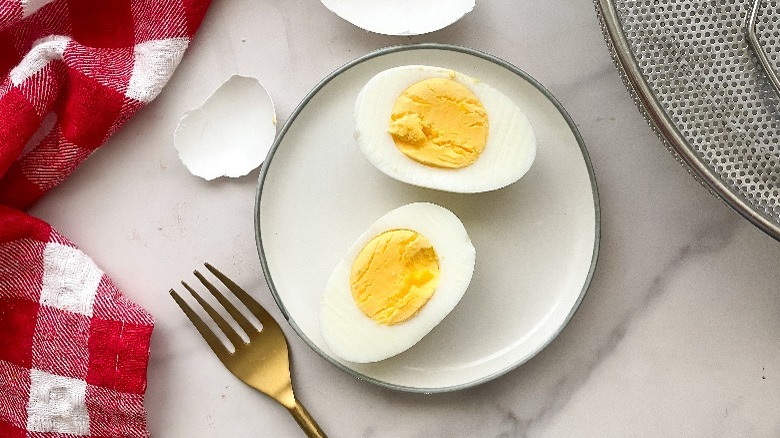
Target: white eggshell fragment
231,133
353,336
400,17
509,153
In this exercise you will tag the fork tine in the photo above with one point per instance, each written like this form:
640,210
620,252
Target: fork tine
216,345
253,306
235,313
221,323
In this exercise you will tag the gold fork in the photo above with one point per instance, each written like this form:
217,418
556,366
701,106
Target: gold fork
261,363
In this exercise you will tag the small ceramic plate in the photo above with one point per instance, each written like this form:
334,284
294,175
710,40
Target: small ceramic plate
536,240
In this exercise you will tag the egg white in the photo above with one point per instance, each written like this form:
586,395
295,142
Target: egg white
353,336
508,154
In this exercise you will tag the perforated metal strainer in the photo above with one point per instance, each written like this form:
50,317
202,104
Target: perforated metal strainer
704,74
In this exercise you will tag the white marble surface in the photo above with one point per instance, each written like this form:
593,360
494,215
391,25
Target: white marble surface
678,335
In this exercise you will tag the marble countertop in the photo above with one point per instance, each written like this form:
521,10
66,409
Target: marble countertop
678,335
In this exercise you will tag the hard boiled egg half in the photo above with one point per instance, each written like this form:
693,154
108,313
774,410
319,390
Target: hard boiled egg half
437,128
396,283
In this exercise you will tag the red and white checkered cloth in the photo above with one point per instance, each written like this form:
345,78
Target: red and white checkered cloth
73,349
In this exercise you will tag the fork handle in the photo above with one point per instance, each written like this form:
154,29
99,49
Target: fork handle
302,417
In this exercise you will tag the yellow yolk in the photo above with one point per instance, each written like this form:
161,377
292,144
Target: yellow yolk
440,123
394,275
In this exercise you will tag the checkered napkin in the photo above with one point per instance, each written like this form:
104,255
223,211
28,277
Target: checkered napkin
73,349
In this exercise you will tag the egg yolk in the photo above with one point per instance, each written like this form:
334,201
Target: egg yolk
439,122
394,275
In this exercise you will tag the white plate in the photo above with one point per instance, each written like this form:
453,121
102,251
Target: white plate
536,240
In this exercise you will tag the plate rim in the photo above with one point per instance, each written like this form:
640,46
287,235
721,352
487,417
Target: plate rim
322,83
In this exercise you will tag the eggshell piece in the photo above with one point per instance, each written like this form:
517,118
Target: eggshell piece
230,133
400,17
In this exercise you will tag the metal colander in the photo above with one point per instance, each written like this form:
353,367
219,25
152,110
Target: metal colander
704,75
